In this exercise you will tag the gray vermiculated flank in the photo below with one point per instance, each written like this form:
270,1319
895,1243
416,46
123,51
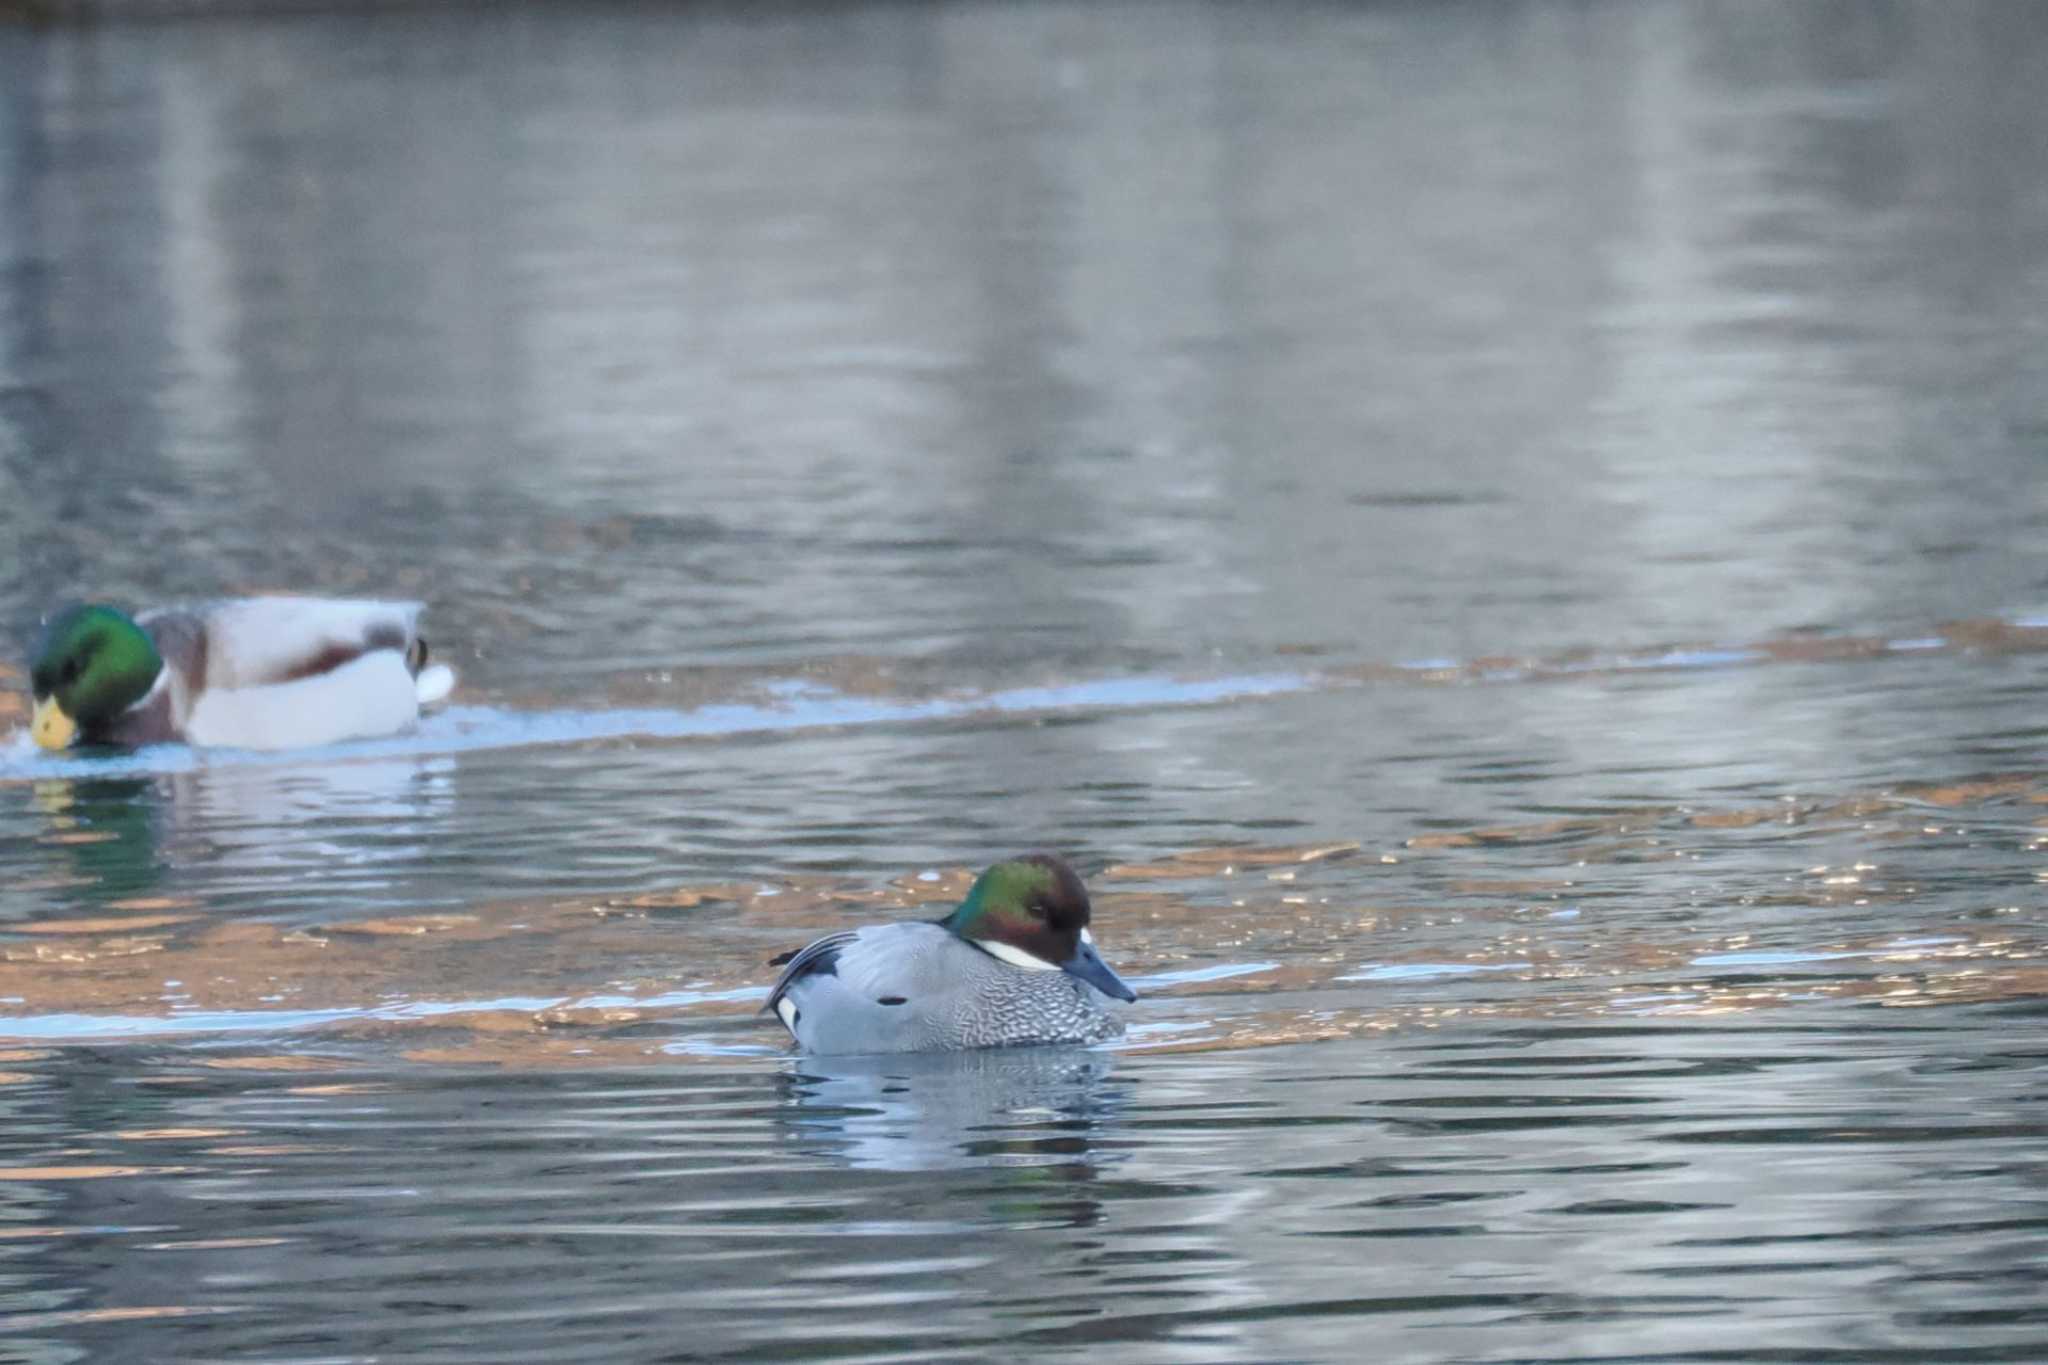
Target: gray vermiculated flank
954,996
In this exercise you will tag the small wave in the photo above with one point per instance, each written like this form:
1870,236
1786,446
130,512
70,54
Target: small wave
1429,971
785,705
78,1026
790,707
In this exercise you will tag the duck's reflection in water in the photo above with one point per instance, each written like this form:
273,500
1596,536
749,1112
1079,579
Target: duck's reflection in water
1002,1107
254,828
258,816
98,837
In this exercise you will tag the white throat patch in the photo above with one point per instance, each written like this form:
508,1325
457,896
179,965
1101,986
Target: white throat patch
156,689
1015,956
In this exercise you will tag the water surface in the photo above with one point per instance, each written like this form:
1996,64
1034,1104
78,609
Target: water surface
1507,541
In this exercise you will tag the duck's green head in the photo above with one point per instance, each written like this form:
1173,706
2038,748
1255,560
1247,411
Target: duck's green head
92,664
1032,912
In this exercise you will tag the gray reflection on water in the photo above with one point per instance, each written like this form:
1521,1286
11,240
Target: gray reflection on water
1468,1193
347,822
1019,1107
242,830
993,332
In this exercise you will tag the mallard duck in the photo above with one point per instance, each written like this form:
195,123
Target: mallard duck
1014,964
255,673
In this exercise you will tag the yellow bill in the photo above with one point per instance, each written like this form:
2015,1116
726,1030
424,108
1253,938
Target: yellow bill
51,727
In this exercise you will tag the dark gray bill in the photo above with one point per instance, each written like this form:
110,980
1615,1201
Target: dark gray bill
1087,965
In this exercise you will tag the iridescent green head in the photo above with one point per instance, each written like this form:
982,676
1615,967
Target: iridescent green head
92,664
1032,912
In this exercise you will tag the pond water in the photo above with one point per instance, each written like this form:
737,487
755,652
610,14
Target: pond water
1508,541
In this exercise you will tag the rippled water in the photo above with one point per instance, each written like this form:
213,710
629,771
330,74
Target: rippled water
1507,541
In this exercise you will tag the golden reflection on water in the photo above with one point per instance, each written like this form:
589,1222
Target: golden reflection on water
1257,944
34,1173
1306,953
172,1134
79,1317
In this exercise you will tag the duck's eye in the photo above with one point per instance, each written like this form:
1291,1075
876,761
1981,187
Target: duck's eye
1037,910
70,672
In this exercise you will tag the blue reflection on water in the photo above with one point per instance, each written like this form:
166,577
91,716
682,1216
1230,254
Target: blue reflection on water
794,706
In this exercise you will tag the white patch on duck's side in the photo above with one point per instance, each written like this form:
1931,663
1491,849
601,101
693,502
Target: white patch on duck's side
156,689
786,1007
434,682
1015,956
1087,937
372,695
